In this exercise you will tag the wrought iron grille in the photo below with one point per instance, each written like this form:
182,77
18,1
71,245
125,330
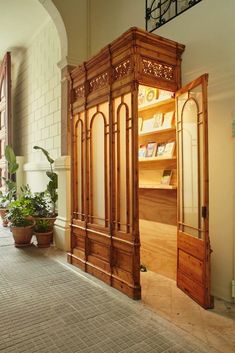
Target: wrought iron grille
159,12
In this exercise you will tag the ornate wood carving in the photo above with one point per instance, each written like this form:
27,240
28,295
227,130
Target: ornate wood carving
122,69
98,82
79,92
156,69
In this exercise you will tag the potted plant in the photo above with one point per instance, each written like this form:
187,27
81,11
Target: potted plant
42,205
8,195
43,231
19,215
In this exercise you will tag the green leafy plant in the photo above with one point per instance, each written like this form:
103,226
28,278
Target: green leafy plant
5,199
19,212
52,186
9,193
42,226
41,202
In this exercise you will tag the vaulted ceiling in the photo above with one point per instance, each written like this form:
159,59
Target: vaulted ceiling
20,20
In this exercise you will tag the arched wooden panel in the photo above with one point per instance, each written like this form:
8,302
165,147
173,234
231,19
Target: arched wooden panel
188,168
97,172
5,111
78,185
122,171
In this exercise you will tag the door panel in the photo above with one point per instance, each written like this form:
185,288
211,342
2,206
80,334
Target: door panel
193,243
105,242
5,111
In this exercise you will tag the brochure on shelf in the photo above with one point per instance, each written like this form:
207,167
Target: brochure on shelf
166,177
151,149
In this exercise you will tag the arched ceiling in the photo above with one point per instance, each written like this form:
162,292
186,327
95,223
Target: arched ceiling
20,20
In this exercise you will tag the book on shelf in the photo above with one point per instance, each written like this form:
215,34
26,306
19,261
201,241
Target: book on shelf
166,177
152,124
160,149
165,149
142,151
147,125
158,120
169,149
147,95
168,120
151,149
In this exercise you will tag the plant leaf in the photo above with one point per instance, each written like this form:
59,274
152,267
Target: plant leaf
46,153
12,167
10,155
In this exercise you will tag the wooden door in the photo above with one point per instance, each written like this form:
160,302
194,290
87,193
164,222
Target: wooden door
5,111
193,243
105,238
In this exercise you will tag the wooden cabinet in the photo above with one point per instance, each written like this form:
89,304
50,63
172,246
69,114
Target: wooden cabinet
106,170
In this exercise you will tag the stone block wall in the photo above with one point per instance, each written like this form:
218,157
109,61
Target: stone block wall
37,95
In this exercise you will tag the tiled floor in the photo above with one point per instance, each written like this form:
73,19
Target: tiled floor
47,305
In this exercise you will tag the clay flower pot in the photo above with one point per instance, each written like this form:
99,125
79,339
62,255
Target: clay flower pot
50,221
44,239
22,235
3,212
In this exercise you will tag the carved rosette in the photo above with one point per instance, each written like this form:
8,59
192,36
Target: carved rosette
122,69
98,82
154,68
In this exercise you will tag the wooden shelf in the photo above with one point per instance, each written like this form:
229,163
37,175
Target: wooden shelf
156,105
158,186
156,159
157,131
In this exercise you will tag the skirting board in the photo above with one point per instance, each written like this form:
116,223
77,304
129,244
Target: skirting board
113,281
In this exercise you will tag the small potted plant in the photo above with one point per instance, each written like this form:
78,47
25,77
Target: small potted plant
43,231
8,195
4,202
41,204
19,215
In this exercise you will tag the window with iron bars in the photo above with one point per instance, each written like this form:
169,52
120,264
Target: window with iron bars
159,12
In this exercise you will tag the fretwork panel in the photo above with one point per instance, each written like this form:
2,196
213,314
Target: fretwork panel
78,182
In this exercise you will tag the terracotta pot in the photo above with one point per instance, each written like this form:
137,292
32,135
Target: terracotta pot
51,221
3,212
22,235
44,239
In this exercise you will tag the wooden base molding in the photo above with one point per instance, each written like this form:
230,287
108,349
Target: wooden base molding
133,292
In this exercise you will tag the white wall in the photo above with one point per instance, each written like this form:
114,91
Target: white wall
36,102
109,19
207,30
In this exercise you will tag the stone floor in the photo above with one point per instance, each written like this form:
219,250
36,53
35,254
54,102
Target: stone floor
215,327
48,306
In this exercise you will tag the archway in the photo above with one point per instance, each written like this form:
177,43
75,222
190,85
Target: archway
60,27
